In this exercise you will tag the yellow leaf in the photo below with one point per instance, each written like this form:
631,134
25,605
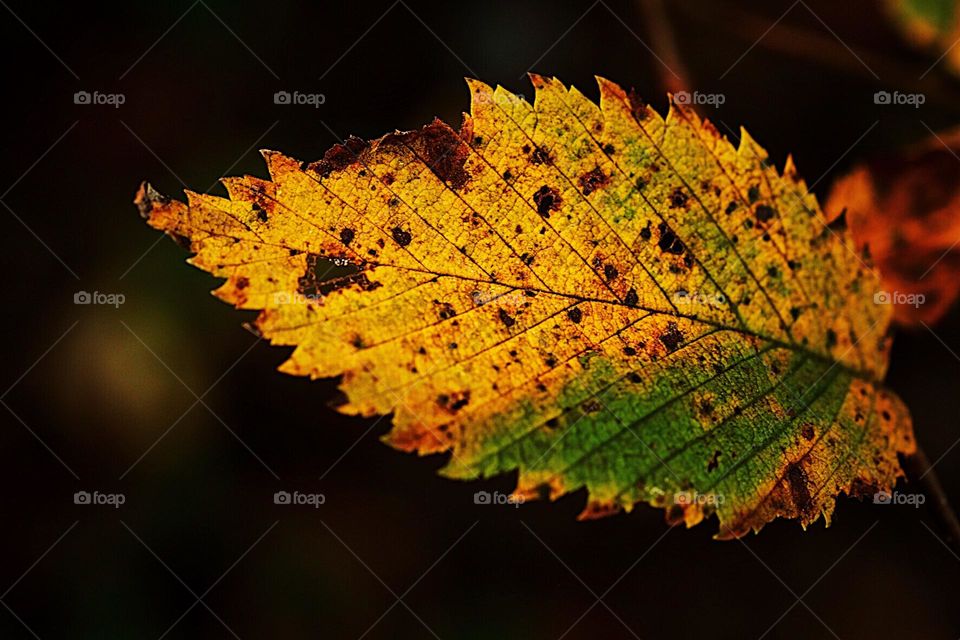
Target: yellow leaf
596,296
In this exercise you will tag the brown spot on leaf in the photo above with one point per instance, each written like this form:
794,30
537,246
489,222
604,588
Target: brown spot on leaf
547,199
678,198
441,148
799,491
591,406
401,236
593,180
638,108
669,242
541,156
453,402
672,337
714,461
764,213
339,156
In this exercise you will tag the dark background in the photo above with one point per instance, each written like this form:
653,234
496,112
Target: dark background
199,102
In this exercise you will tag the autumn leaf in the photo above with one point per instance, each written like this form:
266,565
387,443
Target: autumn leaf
596,296
903,209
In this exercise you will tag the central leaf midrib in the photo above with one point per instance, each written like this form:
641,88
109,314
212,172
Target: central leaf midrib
792,346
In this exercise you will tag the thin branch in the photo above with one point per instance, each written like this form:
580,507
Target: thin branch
920,470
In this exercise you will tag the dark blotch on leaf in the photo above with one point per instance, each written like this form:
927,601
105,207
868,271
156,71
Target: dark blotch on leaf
714,461
799,492
440,148
339,156
638,108
645,232
546,199
593,180
454,402
541,156
591,406
831,338
347,236
401,237
764,213
505,318
575,315
672,337
678,198
669,242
